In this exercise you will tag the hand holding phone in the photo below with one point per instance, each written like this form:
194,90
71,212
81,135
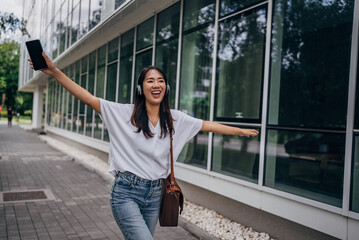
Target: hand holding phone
35,51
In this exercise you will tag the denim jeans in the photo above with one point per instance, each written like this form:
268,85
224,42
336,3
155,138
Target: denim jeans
136,205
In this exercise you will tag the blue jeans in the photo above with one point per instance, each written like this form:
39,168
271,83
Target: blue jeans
136,205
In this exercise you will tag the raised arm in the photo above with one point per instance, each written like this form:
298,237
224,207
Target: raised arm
215,127
82,94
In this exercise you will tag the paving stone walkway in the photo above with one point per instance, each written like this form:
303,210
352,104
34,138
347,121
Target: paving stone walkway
80,206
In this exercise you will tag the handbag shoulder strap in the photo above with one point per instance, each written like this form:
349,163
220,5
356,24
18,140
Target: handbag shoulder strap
172,176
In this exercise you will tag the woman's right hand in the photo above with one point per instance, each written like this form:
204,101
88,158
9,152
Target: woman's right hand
51,68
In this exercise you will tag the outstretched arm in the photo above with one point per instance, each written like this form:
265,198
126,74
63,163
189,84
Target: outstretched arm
82,94
215,127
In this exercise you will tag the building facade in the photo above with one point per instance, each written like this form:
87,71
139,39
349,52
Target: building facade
286,68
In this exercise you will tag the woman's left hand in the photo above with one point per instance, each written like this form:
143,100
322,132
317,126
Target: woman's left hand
248,132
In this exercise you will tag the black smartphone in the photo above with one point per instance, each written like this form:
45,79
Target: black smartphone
35,51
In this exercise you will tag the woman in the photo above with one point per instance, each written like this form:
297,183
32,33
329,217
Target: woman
140,145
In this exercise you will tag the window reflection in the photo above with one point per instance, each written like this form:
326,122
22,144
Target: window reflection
84,17
236,156
100,88
310,63
240,66
230,6
198,12
95,13
354,203
90,88
145,34
306,164
196,72
126,58
75,23
195,151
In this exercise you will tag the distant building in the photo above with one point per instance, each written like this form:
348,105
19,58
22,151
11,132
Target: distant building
287,68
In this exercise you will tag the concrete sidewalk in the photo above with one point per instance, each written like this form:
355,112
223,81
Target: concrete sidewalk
77,200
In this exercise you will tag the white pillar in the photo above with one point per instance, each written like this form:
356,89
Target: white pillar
37,107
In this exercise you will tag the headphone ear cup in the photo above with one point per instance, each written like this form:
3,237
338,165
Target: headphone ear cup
167,89
139,90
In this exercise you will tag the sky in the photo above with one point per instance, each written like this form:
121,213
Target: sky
12,6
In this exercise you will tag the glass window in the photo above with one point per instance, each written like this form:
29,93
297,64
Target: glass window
63,108
90,89
101,64
84,17
310,63
118,3
63,27
76,120
111,82
236,156
168,23
49,102
167,46
145,34
113,50
55,35
196,72
143,59
126,58
197,12
95,13
71,101
308,164
195,151
166,59
240,64
83,84
75,23
230,6
354,203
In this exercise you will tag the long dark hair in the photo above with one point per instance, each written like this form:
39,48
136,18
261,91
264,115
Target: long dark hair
139,117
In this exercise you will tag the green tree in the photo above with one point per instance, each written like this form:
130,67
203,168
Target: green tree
9,72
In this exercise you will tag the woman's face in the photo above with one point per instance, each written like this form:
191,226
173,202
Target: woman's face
154,87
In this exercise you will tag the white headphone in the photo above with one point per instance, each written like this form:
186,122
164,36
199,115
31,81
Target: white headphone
139,89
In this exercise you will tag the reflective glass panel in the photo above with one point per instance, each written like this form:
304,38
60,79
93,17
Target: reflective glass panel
126,58
82,110
166,59
90,88
95,13
236,156
195,151
100,88
143,59
354,203
308,164
63,27
231,6
145,34
196,73
310,63
75,119
75,23
71,101
112,50
240,63
197,12
111,82
84,17
119,3
168,22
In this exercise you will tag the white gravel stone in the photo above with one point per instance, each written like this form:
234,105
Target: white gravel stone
219,226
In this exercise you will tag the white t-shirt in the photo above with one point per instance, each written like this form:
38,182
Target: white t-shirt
148,158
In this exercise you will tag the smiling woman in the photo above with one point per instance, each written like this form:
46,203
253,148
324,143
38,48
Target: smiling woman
140,143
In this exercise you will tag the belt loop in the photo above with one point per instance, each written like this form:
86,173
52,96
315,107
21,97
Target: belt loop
134,179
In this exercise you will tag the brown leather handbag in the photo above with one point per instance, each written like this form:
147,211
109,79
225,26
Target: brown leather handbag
172,199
